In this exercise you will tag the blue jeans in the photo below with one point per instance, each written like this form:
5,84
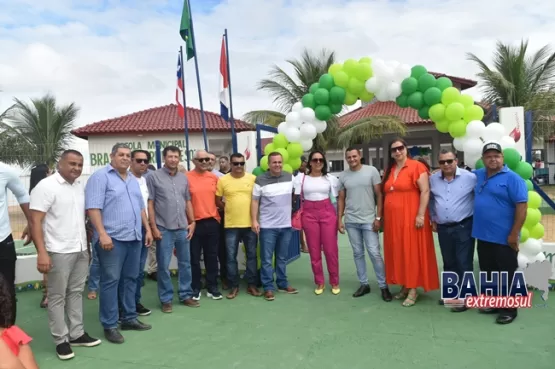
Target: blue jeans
361,235
164,250
94,271
140,278
232,237
274,240
457,247
120,263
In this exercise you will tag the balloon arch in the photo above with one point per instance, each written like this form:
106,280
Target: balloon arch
434,98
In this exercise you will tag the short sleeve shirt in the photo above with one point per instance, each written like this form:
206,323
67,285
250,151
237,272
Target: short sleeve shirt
275,196
360,202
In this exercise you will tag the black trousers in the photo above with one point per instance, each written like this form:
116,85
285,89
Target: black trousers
8,259
205,241
494,257
222,250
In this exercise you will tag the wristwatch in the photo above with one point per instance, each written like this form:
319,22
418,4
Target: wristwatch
379,219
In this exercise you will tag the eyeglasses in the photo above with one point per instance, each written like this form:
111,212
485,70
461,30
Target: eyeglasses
398,148
203,160
237,163
448,161
141,161
317,160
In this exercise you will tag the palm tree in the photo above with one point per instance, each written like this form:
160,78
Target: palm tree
287,90
521,79
37,132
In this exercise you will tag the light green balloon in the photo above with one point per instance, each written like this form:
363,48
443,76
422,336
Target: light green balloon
437,112
457,129
295,163
334,68
442,126
287,168
264,163
269,148
350,99
356,86
454,111
280,141
524,234
537,231
341,79
363,71
466,100
284,154
533,217
295,150
473,112
534,200
450,95
529,185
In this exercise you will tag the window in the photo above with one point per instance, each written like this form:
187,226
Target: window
336,165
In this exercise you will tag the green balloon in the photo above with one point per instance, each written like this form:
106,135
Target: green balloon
295,150
537,231
308,101
257,171
323,112
450,95
524,234
341,79
529,185
454,111
264,163
322,96
416,100
295,163
336,108
280,141
409,85
466,100
511,158
326,81
337,95
284,154
534,200
437,112
417,71
287,168
524,170
363,71
432,96
473,112
442,126
533,217
457,129
350,98
423,112
356,86
479,164
402,101
269,148
314,87
426,81
443,82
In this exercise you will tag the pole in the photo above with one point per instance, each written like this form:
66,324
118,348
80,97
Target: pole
185,108
158,156
198,78
232,121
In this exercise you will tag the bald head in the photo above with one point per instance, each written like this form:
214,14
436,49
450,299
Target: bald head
201,154
202,161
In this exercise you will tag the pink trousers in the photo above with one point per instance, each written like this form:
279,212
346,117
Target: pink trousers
320,228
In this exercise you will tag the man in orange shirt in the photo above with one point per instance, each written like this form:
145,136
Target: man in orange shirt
203,186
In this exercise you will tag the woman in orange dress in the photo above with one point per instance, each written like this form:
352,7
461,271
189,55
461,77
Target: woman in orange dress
409,253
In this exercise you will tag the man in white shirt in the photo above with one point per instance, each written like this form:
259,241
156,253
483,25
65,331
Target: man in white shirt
9,180
58,227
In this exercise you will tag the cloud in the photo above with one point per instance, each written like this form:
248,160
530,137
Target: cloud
113,58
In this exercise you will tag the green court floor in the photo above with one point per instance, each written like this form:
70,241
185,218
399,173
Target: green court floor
306,331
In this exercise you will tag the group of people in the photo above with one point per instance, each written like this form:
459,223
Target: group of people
131,210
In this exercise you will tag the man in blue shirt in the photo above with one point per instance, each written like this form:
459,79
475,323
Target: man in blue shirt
501,201
115,205
451,210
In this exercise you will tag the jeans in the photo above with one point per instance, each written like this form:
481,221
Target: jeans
232,237
8,259
222,249
94,271
141,276
274,240
457,247
361,235
164,250
206,240
122,262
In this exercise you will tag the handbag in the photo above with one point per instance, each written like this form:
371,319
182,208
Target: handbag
296,221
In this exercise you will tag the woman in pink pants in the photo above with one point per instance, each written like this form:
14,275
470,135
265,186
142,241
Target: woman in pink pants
319,219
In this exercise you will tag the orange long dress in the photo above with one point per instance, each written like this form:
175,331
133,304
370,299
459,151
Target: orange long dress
409,253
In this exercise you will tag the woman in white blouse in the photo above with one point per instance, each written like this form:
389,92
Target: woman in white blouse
319,219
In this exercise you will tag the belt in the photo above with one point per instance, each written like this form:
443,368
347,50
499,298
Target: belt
447,225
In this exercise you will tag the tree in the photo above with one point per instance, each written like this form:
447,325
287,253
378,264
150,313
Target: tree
287,90
36,133
521,79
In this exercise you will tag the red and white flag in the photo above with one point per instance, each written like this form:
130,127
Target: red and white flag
224,83
179,90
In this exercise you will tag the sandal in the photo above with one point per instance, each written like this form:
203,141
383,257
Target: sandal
402,295
410,300
44,302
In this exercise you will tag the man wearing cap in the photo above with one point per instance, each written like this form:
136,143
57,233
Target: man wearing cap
500,204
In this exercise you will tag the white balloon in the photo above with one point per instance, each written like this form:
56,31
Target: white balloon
530,248
372,85
382,95
306,144
307,115
458,143
282,127
471,160
393,90
292,134
308,131
387,74
297,107
540,257
507,142
401,72
293,119
475,129
493,132
393,64
522,260
472,147
320,125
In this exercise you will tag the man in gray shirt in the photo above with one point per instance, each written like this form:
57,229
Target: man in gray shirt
172,227
360,192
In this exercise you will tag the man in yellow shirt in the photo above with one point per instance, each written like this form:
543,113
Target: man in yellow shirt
236,188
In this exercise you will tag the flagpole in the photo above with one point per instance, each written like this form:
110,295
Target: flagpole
198,77
185,108
233,136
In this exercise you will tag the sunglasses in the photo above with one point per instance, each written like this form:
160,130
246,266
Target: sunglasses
141,161
317,160
237,163
203,160
448,161
398,148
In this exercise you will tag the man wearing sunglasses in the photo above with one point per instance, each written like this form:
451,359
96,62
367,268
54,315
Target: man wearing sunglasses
451,210
500,206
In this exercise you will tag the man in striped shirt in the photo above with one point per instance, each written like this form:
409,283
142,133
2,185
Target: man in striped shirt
272,198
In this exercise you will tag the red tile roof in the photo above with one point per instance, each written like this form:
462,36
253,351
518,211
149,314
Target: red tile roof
465,83
163,119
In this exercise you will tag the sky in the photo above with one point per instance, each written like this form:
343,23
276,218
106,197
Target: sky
113,58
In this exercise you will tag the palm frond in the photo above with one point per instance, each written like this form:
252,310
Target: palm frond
368,129
267,117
